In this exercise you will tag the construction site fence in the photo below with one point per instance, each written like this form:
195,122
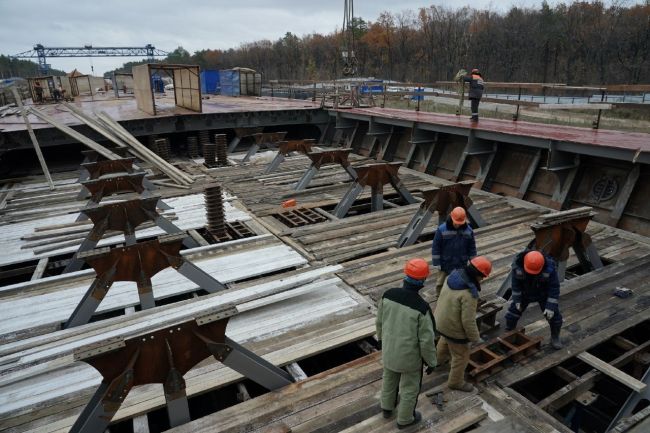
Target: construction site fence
524,94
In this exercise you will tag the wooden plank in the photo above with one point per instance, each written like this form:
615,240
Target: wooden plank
74,134
141,424
40,268
463,421
612,371
32,136
142,90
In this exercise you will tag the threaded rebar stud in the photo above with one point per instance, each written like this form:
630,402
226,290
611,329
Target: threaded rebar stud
215,211
222,150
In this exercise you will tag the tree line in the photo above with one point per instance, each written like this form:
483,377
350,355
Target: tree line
10,68
578,44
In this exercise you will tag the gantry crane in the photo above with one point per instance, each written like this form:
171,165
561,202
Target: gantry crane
148,51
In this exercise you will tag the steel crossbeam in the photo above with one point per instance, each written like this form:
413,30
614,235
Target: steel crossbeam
137,263
285,148
442,200
263,139
239,134
123,217
325,157
163,356
374,176
125,183
555,233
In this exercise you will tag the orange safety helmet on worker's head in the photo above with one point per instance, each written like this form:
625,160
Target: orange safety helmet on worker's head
458,215
417,269
534,262
482,264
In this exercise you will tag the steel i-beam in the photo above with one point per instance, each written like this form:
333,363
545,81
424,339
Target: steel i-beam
441,199
374,176
268,140
555,233
136,263
163,356
123,217
325,157
285,148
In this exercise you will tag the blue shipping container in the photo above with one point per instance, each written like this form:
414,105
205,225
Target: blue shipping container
210,81
229,80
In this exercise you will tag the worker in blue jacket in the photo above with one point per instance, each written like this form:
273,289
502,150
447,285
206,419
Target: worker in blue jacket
534,279
453,245
476,87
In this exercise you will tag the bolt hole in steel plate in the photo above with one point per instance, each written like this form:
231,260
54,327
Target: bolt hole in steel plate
604,189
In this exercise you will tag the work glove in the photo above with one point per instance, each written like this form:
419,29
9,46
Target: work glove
518,306
549,314
429,370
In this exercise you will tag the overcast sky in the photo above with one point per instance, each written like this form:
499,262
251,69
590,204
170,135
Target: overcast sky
192,24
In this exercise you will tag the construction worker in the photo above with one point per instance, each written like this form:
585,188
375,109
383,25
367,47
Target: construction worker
38,89
534,279
453,245
455,319
476,86
405,333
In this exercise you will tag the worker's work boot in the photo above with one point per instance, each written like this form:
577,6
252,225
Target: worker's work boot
387,413
473,119
417,417
556,343
465,387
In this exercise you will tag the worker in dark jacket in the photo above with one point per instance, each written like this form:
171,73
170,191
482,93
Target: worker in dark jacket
476,86
456,319
405,333
453,245
534,279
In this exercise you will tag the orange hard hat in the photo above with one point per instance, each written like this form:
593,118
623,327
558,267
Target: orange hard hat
482,264
417,268
458,215
533,262
289,203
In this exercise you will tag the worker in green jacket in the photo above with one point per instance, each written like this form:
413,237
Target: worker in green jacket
405,333
456,319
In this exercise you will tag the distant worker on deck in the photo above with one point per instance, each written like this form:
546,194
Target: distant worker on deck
534,279
453,245
455,319
38,89
476,86
405,331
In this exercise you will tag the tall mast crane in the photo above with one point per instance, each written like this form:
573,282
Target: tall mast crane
349,58
148,51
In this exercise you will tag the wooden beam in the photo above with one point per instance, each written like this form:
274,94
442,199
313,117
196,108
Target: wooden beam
612,371
141,424
624,196
74,134
463,421
584,383
296,372
32,136
40,268
623,343
564,374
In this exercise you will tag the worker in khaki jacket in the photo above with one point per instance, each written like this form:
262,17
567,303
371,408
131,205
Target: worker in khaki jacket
456,319
405,333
